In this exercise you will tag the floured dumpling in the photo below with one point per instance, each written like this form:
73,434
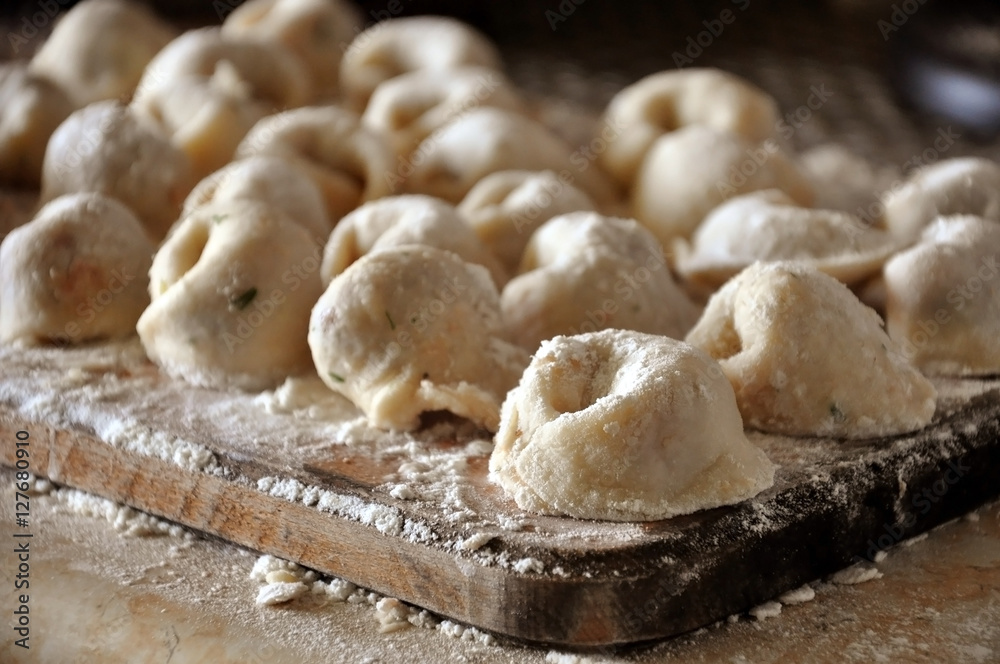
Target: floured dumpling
506,207
99,48
349,164
31,108
943,304
397,220
624,426
690,171
410,107
769,226
806,358
583,272
317,32
106,148
485,140
269,180
969,185
397,46
232,289
413,329
669,100
76,272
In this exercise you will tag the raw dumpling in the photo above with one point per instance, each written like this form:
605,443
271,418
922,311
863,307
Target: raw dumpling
349,164
690,171
268,71
394,47
969,185
413,329
317,32
806,358
583,272
769,226
108,149
669,100
624,426
76,272
506,207
485,140
943,304
397,220
99,48
269,180
410,107
232,289
31,108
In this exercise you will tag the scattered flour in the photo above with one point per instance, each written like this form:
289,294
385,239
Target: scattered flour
127,521
525,565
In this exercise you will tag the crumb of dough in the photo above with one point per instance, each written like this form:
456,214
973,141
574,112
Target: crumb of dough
798,596
525,565
280,593
766,610
392,615
476,542
855,574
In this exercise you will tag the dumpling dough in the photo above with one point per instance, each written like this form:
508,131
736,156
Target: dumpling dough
624,426
485,140
769,226
232,289
413,329
506,207
99,48
397,220
969,185
76,272
943,305
106,148
806,358
690,171
410,107
269,180
349,164
584,272
397,46
669,100
317,32
31,108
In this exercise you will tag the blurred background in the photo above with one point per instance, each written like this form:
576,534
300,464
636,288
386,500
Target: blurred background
888,78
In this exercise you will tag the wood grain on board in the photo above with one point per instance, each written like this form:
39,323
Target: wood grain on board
587,584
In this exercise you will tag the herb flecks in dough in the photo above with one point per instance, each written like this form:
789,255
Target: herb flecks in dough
337,377
243,300
392,325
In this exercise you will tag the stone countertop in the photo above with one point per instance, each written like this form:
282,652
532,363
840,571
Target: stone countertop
100,594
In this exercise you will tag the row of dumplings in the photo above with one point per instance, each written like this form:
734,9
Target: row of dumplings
409,230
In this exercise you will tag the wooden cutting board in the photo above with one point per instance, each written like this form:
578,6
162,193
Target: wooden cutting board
416,518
